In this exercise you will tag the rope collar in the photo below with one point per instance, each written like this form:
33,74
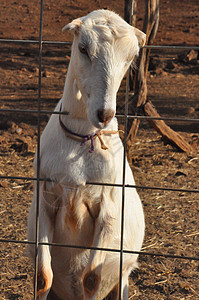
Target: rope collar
84,138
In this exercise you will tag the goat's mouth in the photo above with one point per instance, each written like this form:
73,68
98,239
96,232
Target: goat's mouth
104,116
103,125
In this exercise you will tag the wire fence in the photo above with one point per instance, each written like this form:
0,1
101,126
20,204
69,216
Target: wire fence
40,42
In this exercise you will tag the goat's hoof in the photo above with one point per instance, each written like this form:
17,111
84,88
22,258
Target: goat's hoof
44,282
91,283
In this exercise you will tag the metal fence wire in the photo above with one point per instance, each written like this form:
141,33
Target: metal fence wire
37,179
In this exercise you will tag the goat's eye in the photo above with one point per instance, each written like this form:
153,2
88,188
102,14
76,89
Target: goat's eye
83,50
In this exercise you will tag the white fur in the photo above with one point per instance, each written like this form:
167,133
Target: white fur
71,211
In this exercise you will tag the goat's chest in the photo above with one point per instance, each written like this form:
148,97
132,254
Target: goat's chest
72,163
96,166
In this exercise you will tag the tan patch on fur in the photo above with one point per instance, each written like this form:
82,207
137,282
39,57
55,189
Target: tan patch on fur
93,211
81,209
91,283
76,212
71,217
43,282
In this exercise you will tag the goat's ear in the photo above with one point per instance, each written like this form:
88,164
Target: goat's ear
141,36
74,26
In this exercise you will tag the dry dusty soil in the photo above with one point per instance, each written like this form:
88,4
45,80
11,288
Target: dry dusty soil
173,81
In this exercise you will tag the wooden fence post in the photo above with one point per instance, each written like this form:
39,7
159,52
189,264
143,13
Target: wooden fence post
150,26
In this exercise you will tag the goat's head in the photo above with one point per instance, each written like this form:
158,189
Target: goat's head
103,48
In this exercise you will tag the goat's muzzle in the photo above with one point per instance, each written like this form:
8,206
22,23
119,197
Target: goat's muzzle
105,116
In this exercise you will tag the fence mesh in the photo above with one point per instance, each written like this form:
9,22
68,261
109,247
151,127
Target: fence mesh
126,116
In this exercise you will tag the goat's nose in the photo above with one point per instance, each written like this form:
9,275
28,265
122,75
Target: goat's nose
105,115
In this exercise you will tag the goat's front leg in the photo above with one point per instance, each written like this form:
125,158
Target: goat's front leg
47,213
45,274
101,239
125,286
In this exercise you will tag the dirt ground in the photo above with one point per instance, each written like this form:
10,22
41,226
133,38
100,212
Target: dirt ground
173,81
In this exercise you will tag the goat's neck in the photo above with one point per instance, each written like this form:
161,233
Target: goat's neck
72,102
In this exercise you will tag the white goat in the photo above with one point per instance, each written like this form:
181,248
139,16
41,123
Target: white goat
72,211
